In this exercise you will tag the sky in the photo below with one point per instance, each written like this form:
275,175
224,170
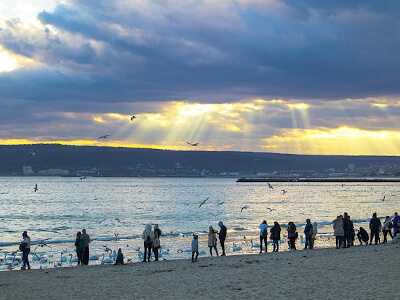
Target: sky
283,76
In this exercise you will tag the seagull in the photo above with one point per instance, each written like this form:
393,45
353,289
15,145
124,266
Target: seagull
220,203
36,188
32,152
203,202
270,209
133,117
284,192
102,220
192,144
383,199
244,207
270,186
103,136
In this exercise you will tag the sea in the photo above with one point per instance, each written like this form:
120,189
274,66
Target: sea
115,211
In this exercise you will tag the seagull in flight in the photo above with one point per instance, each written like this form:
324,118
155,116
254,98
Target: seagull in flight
102,220
220,203
383,199
32,152
103,136
270,186
36,188
133,117
284,192
203,202
244,207
270,209
193,144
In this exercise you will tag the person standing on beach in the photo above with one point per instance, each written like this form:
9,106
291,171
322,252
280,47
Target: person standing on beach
195,248
314,234
263,235
338,231
26,240
79,247
308,232
395,221
222,236
212,240
374,226
275,236
292,235
346,229
386,228
156,244
148,238
86,238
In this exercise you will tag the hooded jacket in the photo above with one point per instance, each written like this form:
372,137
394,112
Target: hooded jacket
222,231
148,232
338,227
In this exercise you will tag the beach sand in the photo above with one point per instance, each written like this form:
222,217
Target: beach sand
360,272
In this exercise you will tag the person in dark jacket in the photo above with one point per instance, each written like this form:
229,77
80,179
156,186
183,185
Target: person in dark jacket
120,257
79,247
362,236
308,231
156,243
375,226
276,235
222,236
292,235
346,229
86,238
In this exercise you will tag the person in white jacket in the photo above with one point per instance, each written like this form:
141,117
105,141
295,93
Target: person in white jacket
315,231
148,238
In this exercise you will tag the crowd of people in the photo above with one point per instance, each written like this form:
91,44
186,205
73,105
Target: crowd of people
343,230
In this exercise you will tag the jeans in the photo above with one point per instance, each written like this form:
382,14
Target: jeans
376,234
292,243
155,250
147,252
308,241
85,258
25,254
276,245
346,240
385,233
215,248
80,258
339,241
261,243
197,255
222,242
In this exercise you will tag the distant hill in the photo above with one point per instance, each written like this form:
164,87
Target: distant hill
110,161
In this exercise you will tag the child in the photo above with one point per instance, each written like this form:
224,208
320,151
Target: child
195,248
120,257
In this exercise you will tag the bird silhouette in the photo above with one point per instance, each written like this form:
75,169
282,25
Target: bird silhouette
270,186
103,136
244,207
383,199
192,144
270,209
133,117
284,192
32,152
203,202
36,188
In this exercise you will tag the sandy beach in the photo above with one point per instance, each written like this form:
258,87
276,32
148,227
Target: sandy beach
360,272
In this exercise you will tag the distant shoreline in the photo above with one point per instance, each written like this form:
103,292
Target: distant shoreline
342,179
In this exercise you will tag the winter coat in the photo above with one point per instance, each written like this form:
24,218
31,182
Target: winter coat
148,232
276,233
80,245
315,230
195,245
385,225
308,227
374,224
223,230
338,227
212,239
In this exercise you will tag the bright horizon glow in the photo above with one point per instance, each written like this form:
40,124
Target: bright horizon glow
7,62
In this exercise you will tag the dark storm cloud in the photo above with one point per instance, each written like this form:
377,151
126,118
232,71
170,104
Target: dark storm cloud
159,51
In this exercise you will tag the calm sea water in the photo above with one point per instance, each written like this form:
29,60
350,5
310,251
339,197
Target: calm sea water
114,212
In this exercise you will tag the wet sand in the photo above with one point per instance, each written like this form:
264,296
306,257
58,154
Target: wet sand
361,272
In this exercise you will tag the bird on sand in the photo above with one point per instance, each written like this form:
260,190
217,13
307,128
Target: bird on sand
203,202
244,207
193,144
103,136
133,117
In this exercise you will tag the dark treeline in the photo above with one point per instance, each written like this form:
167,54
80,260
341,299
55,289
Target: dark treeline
132,161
